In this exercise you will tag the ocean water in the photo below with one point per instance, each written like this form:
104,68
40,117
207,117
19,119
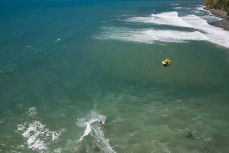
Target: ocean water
66,65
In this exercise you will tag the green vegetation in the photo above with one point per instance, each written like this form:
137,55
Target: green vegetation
218,4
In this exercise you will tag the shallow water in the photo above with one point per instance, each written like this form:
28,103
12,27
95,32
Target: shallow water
64,66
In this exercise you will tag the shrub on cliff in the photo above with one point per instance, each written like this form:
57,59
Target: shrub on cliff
218,4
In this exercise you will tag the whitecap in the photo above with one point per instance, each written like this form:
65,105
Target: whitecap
32,111
37,135
201,30
150,36
200,8
181,8
166,18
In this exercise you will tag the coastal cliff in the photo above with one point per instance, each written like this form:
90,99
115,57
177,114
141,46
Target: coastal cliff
219,8
222,5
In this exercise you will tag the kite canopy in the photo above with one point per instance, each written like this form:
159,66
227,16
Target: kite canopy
166,62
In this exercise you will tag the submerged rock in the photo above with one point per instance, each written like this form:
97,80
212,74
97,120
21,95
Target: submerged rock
189,134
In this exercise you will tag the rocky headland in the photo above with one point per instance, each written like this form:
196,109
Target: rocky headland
219,8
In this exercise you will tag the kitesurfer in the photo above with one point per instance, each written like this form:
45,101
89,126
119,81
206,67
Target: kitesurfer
102,123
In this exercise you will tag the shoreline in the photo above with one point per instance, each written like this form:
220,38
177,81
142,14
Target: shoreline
224,23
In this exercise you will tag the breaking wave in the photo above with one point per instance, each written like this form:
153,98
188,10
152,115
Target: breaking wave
198,30
214,34
167,18
150,35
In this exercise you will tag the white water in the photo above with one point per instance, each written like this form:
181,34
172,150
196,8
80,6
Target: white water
151,35
37,135
214,34
201,30
91,122
166,18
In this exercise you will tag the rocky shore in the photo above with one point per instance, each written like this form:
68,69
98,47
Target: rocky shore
223,23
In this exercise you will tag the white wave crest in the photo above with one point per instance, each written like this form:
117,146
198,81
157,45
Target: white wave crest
200,8
201,30
150,36
167,18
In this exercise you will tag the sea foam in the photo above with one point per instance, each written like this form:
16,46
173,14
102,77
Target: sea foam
37,135
199,30
214,34
96,132
150,35
167,18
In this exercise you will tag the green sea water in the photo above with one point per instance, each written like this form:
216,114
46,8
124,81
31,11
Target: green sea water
60,73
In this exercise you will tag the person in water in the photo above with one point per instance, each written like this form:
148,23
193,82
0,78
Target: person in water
103,124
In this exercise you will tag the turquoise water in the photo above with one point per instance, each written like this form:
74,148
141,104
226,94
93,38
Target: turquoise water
66,65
